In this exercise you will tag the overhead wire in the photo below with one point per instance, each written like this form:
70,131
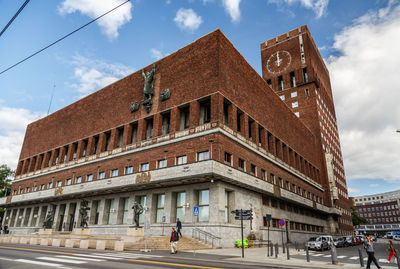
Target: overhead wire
15,15
62,38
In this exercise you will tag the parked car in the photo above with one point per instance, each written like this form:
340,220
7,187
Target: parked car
338,242
320,243
349,240
396,237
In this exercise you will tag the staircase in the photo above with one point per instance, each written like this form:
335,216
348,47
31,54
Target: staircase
162,243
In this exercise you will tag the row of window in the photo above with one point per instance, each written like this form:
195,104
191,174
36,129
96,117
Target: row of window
378,214
380,220
377,208
143,167
295,226
292,79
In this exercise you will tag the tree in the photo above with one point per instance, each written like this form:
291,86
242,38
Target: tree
357,220
5,180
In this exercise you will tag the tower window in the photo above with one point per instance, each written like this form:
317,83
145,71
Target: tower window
305,74
280,83
307,91
292,79
185,118
269,83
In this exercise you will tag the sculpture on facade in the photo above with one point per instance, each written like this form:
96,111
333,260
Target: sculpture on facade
165,95
48,221
148,88
84,213
137,210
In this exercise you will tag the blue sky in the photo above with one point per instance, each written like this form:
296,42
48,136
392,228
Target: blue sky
356,38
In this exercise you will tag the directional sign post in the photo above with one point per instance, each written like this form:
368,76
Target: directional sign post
195,214
243,215
268,217
195,211
282,223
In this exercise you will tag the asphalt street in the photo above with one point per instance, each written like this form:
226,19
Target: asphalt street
13,256
350,254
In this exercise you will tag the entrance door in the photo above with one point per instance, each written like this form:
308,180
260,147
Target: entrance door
61,223
71,224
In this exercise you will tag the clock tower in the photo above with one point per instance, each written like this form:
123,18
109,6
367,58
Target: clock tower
296,72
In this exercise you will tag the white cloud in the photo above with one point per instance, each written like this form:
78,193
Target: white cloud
92,75
374,185
364,80
232,8
187,19
13,122
110,23
353,190
156,54
319,7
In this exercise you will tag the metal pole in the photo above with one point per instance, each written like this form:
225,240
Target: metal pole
272,250
361,257
283,242
276,250
194,238
287,252
307,254
241,224
268,238
287,232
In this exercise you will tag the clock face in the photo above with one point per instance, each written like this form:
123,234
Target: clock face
278,62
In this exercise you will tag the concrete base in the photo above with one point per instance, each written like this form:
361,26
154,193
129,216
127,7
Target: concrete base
72,243
135,231
45,242
101,245
84,244
45,231
81,231
58,242
24,240
34,241
15,240
119,246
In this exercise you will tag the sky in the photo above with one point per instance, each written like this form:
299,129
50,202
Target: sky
358,39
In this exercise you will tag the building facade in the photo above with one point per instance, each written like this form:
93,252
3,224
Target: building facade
198,128
381,210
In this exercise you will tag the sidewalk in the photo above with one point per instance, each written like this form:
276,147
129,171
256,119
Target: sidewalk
259,255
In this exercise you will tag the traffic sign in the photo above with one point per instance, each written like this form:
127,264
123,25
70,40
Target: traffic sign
281,222
195,211
268,217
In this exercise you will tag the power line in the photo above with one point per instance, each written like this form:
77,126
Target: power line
13,18
58,40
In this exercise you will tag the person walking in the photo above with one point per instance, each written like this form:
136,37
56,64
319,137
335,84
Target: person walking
179,227
392,250
369,247
174,241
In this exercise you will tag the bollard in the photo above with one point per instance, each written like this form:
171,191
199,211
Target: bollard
287,252
296,246
272,250
307,254
334,255
283,247
361,257
276,250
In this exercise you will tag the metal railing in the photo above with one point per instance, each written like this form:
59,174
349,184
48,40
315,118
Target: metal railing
206,237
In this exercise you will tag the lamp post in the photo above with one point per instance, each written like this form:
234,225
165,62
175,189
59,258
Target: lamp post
211,143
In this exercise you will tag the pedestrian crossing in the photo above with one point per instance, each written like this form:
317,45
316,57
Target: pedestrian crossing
65,260
343,257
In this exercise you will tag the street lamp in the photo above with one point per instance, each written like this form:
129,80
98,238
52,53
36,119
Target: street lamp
211,141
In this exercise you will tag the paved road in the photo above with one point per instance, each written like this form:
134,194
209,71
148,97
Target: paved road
350,254
13,256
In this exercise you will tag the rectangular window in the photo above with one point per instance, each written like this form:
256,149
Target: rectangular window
180,206
280,83
134,127
144,167
272,177
149,128
26,189
205,111
204,200
228,158
96,144
78,180
251,124
114,173
166,119
162,163
89,177
85,144
129,170
141,200
120,132
102,175
50,185
297,114
292,80
181,159
185,118
263,174
305,74
282,97
269,83
204,155
111,210
57,153
125,210
69,181
65,154
307,92
59,184
253,169
75,147
295,104
293,94
239,115
108,136
160,207
227,104
227,194
41,187
241,164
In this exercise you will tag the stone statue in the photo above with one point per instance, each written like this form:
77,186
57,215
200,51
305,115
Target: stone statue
137,210
84,214
48,221
148,88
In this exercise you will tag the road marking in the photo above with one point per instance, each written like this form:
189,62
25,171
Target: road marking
39,250
60,260
6,259
341,257
79,258
354,258
317,255
39,263
127,255
326,256
383,260
98,256
175,264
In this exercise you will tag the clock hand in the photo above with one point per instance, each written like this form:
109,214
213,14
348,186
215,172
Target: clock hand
278,61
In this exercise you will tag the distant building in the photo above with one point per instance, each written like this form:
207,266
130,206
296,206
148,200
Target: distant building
199,128
381,210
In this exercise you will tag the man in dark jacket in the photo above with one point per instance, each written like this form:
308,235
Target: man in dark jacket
369,247
179,227
174,241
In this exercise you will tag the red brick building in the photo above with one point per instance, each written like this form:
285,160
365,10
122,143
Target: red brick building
210,133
